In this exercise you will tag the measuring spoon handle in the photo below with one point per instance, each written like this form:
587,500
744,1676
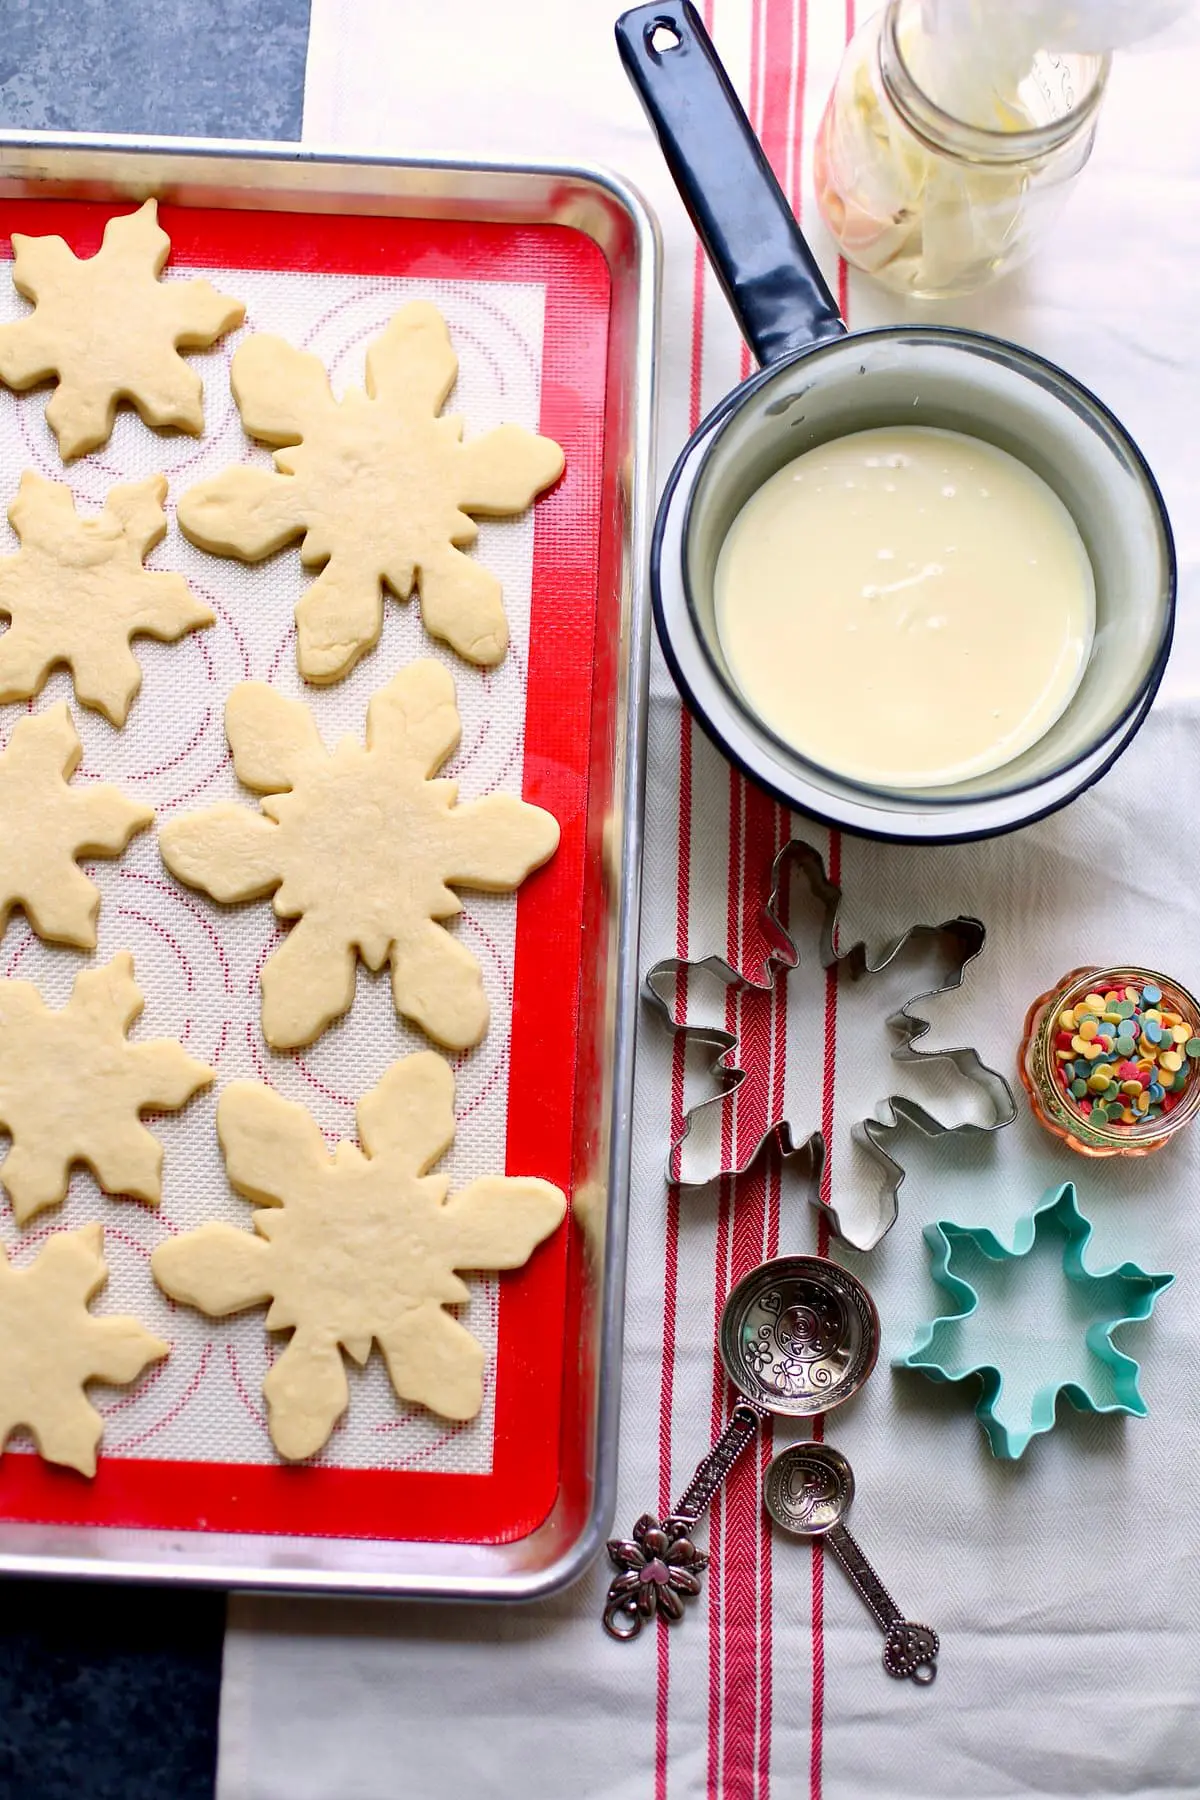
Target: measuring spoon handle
909,1649
659,1566
741,1430
879,1602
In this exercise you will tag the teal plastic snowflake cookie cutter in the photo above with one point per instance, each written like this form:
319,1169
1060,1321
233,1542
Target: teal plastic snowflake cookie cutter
1138,1290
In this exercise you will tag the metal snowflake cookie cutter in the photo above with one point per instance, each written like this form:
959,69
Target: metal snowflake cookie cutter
966,937
1124,1295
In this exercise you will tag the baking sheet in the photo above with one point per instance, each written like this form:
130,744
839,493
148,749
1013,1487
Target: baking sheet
187,1447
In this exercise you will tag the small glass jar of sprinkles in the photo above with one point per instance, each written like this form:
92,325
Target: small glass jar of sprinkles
1111,1060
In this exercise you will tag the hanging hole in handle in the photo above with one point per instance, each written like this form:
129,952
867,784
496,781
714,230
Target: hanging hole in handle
623,1618
662,37
924,1673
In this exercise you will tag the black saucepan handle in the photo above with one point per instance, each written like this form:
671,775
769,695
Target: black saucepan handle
774,286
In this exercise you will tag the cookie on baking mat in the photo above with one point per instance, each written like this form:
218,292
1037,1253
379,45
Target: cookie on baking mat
379,487
72,1087
46,826
363,849
51,1346
107,329
357,1247
76,592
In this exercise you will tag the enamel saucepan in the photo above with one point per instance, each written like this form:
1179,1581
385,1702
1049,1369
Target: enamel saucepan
819,382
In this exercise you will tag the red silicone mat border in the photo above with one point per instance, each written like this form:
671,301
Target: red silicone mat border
519,1492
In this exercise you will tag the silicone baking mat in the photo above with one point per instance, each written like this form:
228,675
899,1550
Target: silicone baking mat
187,1447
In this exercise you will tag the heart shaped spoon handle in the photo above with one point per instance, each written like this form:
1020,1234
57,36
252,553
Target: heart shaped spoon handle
909,1649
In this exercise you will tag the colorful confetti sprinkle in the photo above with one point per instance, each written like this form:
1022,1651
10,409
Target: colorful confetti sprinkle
1124,1056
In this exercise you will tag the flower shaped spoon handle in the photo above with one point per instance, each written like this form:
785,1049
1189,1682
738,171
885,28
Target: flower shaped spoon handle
660,1567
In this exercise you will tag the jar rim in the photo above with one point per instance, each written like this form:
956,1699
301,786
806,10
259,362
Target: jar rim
947,135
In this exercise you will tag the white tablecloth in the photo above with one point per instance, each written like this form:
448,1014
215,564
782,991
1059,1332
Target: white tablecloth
1063,1587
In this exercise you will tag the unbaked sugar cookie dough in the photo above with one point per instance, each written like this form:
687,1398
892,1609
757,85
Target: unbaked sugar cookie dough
357,1247
377,485
76,592
46,825
72,1087
364,849
108,329
51,1346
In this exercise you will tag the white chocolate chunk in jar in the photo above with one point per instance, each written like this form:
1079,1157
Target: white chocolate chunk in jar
905,606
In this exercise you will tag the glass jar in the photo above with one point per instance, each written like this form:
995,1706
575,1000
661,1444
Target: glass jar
936,172
1058,1111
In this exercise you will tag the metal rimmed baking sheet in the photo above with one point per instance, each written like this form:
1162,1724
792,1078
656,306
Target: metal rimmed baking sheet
406,222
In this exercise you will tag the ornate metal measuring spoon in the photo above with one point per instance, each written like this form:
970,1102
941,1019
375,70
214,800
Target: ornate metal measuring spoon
797,1336
808,1490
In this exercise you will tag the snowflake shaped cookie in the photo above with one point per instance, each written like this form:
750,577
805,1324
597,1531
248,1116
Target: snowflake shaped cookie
72,1086
364,851
110,330
1025,1356
51,1346
76,592
46,825
379,487
357,1247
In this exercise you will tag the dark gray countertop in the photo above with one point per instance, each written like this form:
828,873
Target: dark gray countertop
194,68
108,1693
111,1693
